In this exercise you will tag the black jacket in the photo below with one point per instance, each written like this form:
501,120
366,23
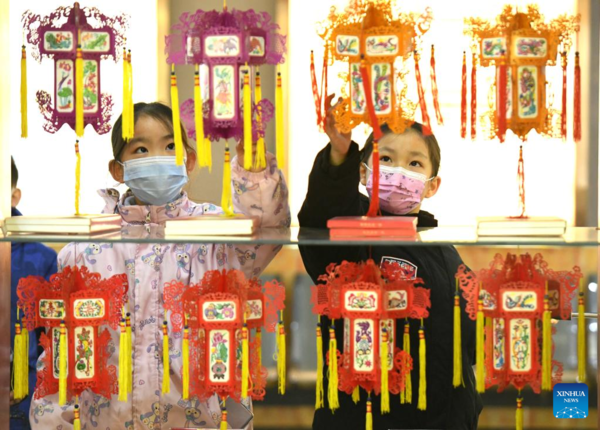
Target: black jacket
333,191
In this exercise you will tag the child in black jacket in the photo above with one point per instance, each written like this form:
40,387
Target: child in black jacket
333,191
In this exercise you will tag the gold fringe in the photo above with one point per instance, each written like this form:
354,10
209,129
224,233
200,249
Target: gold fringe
176,119
247,96
369,419
356,394
406,394
226,201
281,356
332,388
123,363
546,345
479,349
422,404
62,365
166,382
24,127
319,392
519,414
260,161
457,379
385,391
77,176
76,414
186,363
79,120
245,361
202,144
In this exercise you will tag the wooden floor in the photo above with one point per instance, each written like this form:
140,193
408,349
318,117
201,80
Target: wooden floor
492,418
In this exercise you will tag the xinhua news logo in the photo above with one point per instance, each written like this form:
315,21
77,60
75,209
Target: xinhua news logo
570,401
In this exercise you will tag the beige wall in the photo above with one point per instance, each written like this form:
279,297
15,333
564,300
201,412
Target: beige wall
205,186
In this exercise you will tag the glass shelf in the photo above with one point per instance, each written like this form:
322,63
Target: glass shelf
459,235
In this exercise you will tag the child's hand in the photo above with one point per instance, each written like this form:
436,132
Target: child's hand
239,148
340,142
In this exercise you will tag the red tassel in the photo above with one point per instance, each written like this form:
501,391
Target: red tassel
501,91
463,99
473,97
434,89
422,101
577,101
563,116
315,89
374,205
521,178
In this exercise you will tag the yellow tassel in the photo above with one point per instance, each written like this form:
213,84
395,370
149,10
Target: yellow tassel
23,92
406,394
226,202
223,425
260,161
201,146
79,124
126,133
77,176
581,355
130,97
479,349
128,354
247,120
245,361
176,120
519,414
77,420
319,393
166,382
62,365
20,364
208,153
457,374
385,393
279,134
422,405
281,355
546,346
332,389
186,363
369,420
122,363
259,347
356,394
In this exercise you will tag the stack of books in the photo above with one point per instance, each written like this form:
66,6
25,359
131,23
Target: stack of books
521,226
212,225
96,224
401,227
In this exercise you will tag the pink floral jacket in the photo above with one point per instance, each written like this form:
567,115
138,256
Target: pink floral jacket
149,267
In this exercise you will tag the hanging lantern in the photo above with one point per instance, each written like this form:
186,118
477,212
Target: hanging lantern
73,306
77,46
218,316
513,302
368,301
227,49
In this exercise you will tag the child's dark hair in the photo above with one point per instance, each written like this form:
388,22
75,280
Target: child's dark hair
14,174
435,154
157,111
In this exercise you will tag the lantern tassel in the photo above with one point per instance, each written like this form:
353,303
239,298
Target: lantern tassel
128,354
79,125
577,101
130,96
563,114
186,363
480,349
319,393
421,93
519,414
369,419
463,98
473,97
226,201
422,405
176,119
332,389
581,356
406,394
20,364
127,130
199,120
385,392
521,179
259,348
260,161
62,365
77,176
281,356
546,346
245,361
166,385
123,363
23,92
457,374
247,120
76,415
223,425
502,102
356,394
279,132
434,88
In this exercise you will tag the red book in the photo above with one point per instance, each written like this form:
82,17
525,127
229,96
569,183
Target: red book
406,223
371,232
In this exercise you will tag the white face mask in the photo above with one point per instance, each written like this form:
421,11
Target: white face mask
155,180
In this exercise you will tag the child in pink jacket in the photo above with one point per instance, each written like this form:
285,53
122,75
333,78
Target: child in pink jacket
147,165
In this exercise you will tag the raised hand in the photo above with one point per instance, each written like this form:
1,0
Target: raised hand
340,142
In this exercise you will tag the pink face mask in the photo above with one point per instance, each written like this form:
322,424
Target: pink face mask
400,190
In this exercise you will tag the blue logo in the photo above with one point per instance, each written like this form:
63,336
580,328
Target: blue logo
570,401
